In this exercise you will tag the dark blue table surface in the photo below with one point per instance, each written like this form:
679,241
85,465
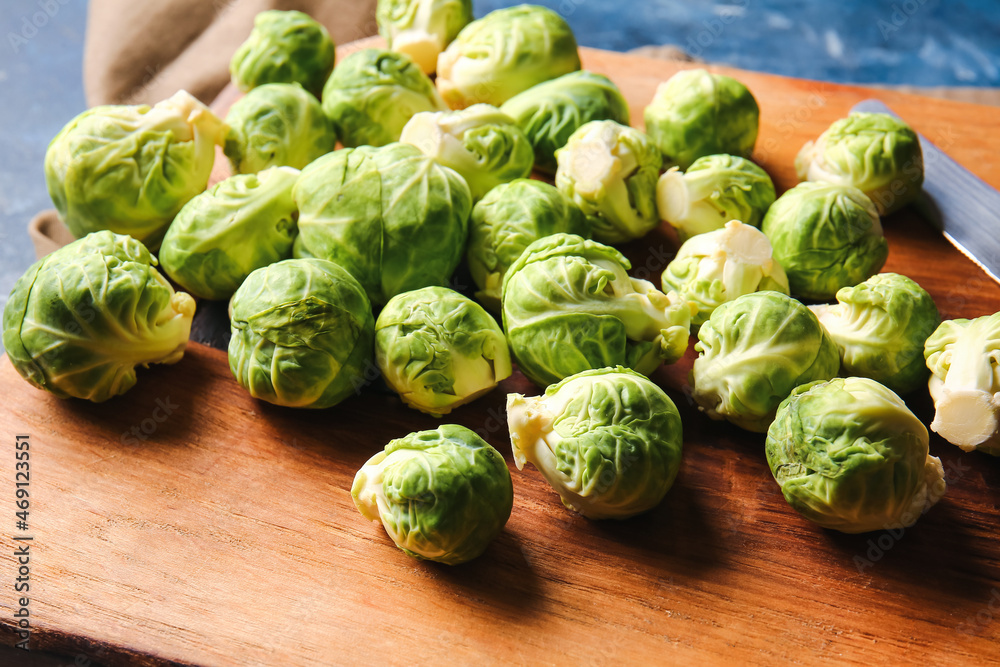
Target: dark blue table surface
919,42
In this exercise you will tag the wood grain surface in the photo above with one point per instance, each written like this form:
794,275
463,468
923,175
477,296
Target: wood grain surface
227,535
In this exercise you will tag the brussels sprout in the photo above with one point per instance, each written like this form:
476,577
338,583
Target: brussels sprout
505,52
391,216
277,125
553,110
875,152
964,357
284,47
714,190
697,113
299,251
719,266
372,95
130,169
480,143
610,171
826,237
608,441
80,320
509,218
243,223
569,306
438,349
422,28
753,351
849,455
880,327
303,334
441,495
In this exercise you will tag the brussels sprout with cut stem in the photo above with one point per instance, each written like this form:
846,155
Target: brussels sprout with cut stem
480,143
550,112
81,319
373,94
441,495
713,268
277,125
850,456
509,218
714,190
697,113
570,306
130,169
964,359
607,440
302,334
422,28
874,152
753,351
610,172
825,236
504,53
438,349
242,224
880,327
391,216
284,47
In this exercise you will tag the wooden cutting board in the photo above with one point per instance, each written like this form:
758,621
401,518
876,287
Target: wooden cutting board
188,523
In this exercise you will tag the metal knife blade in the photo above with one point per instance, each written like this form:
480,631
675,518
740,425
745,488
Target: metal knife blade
956,201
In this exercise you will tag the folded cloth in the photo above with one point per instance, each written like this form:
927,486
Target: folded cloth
143,52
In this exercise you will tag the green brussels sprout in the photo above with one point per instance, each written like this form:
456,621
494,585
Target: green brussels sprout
505,52
441,495
299,251
480,143
569,306
553,110
391,216
610,171
130,169
222,235
752,352
714,190
607,440
880,327
438,349
697,113
875,152
964,358
506,221
826,237
373,94
849,455
719,266
277,125
284,47
422,28
303,334
80,320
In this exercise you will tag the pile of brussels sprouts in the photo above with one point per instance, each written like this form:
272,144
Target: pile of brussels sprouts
334,260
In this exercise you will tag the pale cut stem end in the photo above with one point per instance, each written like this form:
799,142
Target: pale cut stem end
966,417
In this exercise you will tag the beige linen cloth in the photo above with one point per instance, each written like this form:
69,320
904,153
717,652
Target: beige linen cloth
144,52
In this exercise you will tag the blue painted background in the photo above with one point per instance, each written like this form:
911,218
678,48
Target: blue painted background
918,42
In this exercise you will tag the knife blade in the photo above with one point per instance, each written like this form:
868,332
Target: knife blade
960,204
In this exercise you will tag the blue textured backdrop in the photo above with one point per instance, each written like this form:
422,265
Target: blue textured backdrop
919,42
